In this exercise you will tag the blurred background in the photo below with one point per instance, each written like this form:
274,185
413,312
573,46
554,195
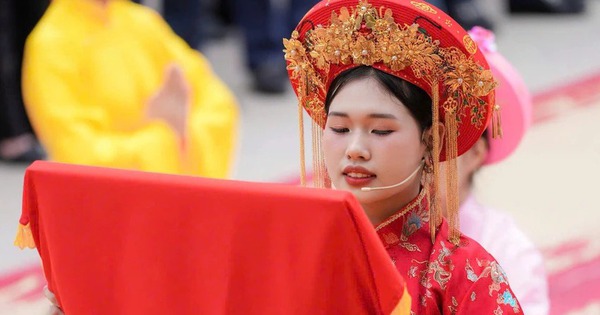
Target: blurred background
548,185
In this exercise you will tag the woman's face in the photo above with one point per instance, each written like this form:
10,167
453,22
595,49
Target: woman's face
372,140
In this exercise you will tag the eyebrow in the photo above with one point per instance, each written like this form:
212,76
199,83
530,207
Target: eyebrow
373,115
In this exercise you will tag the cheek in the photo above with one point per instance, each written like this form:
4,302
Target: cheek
389,155
399,150
332,145
333,152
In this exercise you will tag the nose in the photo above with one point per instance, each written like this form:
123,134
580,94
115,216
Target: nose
358,149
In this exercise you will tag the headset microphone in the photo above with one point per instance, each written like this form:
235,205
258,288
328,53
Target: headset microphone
396,185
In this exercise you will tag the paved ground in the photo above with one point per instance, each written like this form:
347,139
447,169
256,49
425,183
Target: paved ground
549,184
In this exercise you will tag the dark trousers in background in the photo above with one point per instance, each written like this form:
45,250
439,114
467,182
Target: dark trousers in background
195,21
265,23
17,19
184,17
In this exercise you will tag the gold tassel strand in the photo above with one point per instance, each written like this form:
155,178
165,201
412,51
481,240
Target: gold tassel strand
452,197
497,122
434,213
302,148
319,165
315,163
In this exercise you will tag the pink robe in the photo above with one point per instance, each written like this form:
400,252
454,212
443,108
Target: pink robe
443,278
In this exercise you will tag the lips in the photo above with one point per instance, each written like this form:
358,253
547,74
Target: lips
358,176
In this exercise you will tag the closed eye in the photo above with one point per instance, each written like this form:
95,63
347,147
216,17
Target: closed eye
382,132
339,130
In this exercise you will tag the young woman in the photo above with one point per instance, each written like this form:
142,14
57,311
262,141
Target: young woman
394,88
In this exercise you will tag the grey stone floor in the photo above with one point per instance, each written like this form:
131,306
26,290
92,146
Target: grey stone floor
552,176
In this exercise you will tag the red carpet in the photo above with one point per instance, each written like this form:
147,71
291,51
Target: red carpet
553,102
574,275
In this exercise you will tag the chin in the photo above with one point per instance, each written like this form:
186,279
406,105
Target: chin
366,197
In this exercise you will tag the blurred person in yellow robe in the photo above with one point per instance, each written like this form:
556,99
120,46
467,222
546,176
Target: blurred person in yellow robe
108,83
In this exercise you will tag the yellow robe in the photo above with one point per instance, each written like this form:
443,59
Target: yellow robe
88,72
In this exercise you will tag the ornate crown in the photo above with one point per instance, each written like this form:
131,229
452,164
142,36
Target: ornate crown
366,35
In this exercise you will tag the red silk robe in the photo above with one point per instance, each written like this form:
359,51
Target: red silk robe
443,278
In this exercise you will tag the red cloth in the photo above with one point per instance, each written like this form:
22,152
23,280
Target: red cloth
127,242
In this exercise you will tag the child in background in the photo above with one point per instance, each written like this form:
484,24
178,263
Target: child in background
496,231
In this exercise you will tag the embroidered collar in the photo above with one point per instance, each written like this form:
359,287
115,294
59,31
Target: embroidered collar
407,221
420,202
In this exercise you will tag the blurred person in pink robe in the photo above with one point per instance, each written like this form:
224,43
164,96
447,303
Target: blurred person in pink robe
496,230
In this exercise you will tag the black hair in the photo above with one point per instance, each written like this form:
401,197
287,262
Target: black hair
414,98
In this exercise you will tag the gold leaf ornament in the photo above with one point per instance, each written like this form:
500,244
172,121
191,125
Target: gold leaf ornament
423,7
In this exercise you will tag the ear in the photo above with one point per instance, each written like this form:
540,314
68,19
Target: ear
428,136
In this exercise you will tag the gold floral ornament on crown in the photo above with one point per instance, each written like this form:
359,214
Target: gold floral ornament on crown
364,35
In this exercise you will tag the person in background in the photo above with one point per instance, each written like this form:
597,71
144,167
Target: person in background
496,231
107,83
